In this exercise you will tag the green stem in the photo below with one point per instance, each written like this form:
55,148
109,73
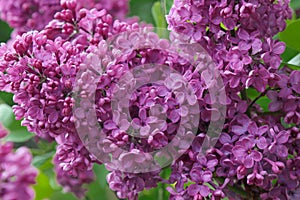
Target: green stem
258,97
162,188
237,189
161,192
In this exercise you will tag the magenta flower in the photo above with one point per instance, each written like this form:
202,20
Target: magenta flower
256,134
274,50
249,42
238,61
295,81
17,175
245,153
258,79
276,103
278,145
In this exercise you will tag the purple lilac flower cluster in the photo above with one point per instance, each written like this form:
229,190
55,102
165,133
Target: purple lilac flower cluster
24,15
157,113
40,69
16,173
257,151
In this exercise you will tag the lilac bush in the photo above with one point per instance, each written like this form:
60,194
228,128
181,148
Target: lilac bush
256,153
17,175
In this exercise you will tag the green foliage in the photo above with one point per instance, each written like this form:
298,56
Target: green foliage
142,8
262,101
42,188
167,4
160,20
5,31
158,15
6,98
99,188
295,4
291,35
294,63
17,133
288,54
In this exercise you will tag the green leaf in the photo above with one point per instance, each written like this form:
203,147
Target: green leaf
5,31
99,187
158,15
160,20
295,4
42,188
142,8
263,101
41,160
59,195
6,115
17,133
6,98
295,61
288,54
291,35
167,4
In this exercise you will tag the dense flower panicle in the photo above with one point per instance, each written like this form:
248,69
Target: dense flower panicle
43,83
17,175
129,185
255,148
71,183
155,110
40,70
31,15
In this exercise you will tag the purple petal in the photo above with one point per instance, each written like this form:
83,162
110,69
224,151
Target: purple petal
282,137
262,143
256,46
193,189
206,176
257,156
238,130
204,190
239,151
143,114
275,106
244,46
252,128
53,117
144,131
244,35
110,125
212,163
263,129
248,162
202,160
281,151
295,80
225,138
278,48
